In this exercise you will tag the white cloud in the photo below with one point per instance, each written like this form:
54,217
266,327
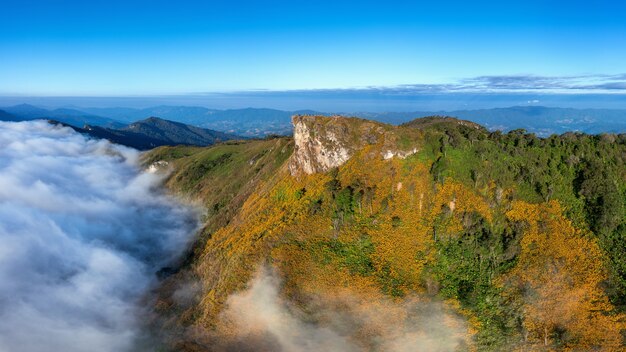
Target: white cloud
82,232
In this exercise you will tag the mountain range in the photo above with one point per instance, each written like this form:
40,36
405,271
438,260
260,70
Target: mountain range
259,122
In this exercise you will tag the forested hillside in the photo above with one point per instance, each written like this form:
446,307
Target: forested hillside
435,234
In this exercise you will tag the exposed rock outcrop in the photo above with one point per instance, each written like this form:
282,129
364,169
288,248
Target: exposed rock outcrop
319,145
322,143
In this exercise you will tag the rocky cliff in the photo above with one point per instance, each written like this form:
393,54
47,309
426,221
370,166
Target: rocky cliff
322,143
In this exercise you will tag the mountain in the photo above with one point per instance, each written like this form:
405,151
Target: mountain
176,133
360,235
127,138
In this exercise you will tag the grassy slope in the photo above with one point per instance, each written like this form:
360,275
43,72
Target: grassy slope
222,177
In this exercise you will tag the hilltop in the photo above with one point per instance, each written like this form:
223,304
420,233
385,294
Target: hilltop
515,241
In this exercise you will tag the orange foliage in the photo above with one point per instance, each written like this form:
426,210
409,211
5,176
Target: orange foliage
396,214
560,276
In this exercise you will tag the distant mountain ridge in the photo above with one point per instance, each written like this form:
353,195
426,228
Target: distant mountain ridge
259,122
249,122
540,120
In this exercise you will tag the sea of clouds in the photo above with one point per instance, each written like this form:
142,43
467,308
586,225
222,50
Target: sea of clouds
82,232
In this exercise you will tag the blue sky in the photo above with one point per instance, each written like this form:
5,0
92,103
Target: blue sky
112,47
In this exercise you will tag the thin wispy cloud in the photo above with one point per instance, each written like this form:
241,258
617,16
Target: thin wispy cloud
581,84
545,83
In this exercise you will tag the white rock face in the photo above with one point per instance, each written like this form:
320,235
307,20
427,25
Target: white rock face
316,150
323,143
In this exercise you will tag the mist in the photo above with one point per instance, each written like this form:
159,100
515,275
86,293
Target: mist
261,319
83,230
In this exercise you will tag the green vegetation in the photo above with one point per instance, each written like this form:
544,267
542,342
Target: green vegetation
585,173
465,267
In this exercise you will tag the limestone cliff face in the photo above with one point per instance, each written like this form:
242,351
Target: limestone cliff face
322,143
319,144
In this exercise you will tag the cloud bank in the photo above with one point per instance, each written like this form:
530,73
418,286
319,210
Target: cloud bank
82,233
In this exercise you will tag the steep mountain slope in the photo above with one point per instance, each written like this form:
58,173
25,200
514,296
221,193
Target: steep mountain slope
436,233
